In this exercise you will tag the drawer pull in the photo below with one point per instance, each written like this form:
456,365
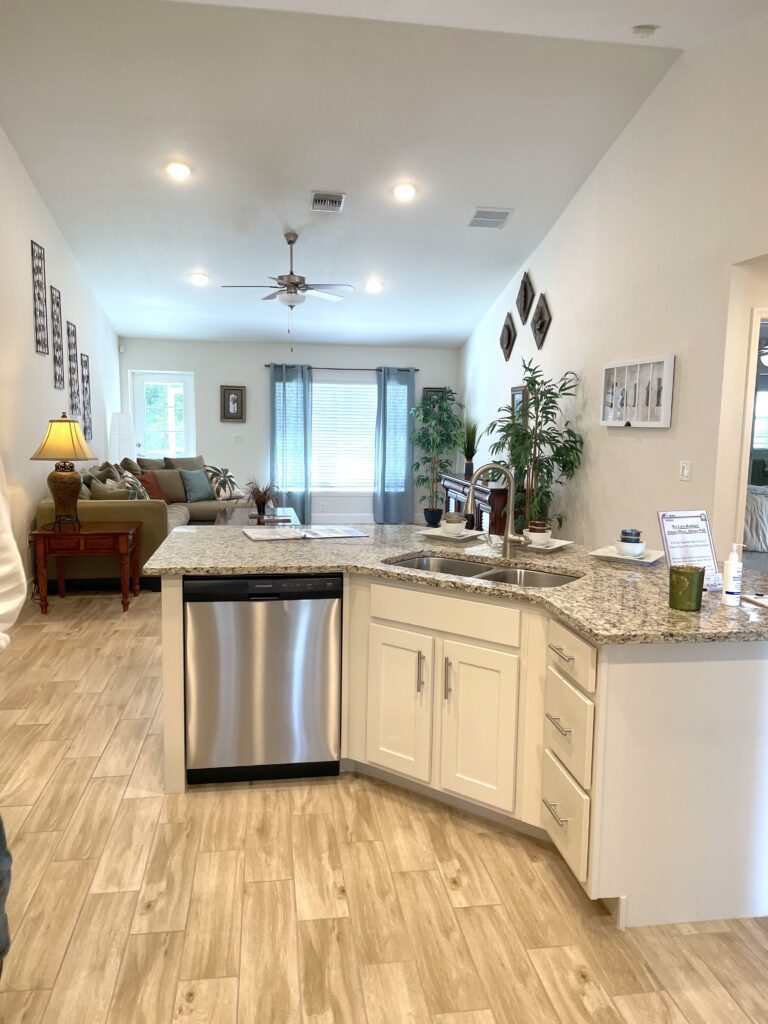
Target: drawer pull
562,822
560,652
419,672
447,685
556,722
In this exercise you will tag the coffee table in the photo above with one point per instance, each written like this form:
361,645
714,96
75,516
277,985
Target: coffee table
240,516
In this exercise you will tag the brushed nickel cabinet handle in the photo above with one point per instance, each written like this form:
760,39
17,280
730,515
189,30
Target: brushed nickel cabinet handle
562,822
560,652
556,722
447,679
419,672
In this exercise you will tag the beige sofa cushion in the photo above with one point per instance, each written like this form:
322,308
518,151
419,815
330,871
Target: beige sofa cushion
191,462
171,485
178,515
149,465
103,491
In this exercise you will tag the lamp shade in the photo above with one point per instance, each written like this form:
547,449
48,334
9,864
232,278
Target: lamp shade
63,442
122,439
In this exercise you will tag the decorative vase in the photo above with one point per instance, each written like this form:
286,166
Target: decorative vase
433,516
469,469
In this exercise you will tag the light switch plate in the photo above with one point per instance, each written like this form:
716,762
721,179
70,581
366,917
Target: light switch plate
686,471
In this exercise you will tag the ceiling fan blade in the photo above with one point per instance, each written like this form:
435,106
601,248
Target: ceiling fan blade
272,296
336,287
318,294
247,286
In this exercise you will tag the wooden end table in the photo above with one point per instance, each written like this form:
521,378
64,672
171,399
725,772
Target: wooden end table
121,539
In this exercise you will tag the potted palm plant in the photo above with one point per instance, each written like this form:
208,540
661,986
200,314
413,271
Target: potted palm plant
438,426
468,438
534,441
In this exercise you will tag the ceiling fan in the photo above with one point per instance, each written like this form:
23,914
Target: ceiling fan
292,289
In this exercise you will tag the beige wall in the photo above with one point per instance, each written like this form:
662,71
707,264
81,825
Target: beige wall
217,363
641,264
27,395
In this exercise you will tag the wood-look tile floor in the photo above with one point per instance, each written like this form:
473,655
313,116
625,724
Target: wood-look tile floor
345,901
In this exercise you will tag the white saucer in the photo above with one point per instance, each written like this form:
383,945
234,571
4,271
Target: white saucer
610,554
438,533
552,545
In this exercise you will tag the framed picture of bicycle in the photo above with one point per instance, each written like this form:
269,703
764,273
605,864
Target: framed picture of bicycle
638,393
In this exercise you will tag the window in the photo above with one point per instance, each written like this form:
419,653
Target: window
760,426
343,430
164,413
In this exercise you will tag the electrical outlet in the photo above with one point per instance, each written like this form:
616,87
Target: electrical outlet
686,471
321,507
237,438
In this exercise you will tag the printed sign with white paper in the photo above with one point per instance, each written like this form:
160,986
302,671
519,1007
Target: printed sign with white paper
687,540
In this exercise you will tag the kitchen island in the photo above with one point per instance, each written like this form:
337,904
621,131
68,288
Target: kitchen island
634,735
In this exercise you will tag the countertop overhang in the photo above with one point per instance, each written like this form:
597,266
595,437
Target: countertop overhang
610,603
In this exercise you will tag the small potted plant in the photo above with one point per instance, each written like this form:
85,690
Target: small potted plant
260,495
436,435
468,438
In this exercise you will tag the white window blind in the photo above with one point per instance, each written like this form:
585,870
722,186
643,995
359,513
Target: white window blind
343,430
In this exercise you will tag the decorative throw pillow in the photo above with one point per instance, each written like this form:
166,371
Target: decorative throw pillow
197,485
150,465
171,485
223,483
106,471
109,491
150,484
131,466
133,484
191,462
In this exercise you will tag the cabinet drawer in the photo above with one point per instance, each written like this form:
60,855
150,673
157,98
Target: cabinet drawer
565,814
571,655
568,723
493,621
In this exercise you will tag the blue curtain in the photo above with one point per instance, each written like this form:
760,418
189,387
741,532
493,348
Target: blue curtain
291,442
392,487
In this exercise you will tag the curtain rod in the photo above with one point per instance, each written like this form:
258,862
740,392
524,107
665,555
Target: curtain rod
352,369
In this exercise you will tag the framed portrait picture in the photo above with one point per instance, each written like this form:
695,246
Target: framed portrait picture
232,404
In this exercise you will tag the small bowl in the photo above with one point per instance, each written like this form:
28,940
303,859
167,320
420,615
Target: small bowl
454,529
632,549
538,540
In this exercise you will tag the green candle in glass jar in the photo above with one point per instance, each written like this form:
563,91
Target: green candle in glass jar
686,585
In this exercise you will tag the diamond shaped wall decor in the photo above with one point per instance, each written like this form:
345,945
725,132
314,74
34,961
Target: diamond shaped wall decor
507,336
540,321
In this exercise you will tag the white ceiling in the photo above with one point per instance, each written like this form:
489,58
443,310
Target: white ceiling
682,23
97,95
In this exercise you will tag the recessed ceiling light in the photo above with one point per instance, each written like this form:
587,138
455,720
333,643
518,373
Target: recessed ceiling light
374,285
177,170
199,278
405,192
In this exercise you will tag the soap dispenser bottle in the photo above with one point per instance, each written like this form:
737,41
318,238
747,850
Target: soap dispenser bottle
732,578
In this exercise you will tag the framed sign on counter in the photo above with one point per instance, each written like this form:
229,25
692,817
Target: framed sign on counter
687,540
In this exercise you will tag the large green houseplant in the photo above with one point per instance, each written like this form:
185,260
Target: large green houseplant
436,436
533,439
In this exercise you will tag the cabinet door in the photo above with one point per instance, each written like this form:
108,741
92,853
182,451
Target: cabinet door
400,700
479,723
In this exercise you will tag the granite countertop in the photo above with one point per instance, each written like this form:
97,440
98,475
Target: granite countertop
610,603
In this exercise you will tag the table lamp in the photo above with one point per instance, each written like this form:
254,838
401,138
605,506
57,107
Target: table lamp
64,444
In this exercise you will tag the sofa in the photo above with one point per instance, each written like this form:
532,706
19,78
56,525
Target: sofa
158,516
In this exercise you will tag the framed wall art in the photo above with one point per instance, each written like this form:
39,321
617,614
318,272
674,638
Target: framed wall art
525,295
85,368
232,404
541,321
74,370
57,340
638,393
431,392
507,336
39,299
518,398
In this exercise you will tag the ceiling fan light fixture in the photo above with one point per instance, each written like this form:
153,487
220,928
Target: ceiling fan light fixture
291,298
178,171
404,192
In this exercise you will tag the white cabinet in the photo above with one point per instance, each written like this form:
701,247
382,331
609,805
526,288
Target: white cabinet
479,723
399,715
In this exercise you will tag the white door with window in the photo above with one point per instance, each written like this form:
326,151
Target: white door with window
164,414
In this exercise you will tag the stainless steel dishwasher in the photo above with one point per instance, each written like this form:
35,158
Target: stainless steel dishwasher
262,677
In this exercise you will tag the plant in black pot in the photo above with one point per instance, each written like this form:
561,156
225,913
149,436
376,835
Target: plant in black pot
534,440
260,495
468,438
438,428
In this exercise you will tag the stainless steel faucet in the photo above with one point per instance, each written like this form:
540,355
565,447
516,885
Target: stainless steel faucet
510,537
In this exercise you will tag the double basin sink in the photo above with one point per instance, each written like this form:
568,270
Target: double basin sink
480,571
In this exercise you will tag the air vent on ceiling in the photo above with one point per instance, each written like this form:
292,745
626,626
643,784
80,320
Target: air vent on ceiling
328,202
485,217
